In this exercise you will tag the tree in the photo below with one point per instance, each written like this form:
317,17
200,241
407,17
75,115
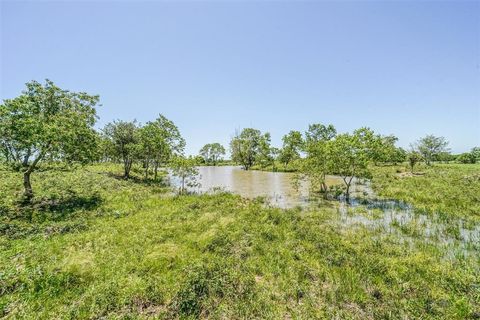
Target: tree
398,156
476,153
174,143
246,146
387,152
430,147
212,152
123,139
376,147
319,132
292,145
46,122
467,157
274,154
159,141
413,157
266,154
315,166
185,170
445,157
348,157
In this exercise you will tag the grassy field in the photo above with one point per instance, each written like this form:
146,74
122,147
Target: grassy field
447,189
96,246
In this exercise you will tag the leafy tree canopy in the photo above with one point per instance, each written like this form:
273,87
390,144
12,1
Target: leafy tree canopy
46,122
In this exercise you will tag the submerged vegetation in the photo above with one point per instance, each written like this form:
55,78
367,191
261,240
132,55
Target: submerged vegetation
101,238
448,189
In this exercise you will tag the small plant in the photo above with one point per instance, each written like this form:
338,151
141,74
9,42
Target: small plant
413,158
184,169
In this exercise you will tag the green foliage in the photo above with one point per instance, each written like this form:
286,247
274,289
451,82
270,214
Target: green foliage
413,157
346,155
319,132
123,142
292,145
476,152
47,123
467,157
430,147
185,170
316,165
153,144
160,140
212,153
249,146
349,156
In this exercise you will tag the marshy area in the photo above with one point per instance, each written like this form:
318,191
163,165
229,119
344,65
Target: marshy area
95,245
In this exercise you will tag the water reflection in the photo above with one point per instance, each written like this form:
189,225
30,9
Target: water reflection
277,187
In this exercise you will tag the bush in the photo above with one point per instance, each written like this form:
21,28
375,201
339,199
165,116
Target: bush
467,157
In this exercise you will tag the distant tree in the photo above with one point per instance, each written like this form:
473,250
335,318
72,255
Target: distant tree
467,157
476,153
413,157
316,164
150,142
159,141
388,152
47,123
348,157
398,156
185,170
319,132
445,157
246,146
123,139
430,147
292,145
274,153
212,152
377,148
265,156
199,160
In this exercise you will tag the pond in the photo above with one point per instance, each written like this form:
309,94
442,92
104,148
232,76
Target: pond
276,187
364,209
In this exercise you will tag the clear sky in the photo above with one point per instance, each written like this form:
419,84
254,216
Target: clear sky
407,68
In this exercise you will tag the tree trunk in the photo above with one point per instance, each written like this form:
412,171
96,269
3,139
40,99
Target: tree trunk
347,193
28,191
347,190
146,169
127,166
324,189
156,170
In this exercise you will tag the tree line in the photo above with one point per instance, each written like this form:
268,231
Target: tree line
49,124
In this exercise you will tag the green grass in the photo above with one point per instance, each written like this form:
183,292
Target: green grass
96,246
452,190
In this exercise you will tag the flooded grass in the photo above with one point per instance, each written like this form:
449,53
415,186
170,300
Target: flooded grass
143,253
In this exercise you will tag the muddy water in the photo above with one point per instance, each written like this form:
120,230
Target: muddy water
277,187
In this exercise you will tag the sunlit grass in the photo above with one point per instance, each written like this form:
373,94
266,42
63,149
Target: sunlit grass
447,189
138,252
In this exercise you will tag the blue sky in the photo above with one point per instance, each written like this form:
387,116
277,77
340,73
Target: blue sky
407,68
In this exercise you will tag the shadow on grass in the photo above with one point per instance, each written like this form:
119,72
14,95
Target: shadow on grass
56,208
159,182
48,216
